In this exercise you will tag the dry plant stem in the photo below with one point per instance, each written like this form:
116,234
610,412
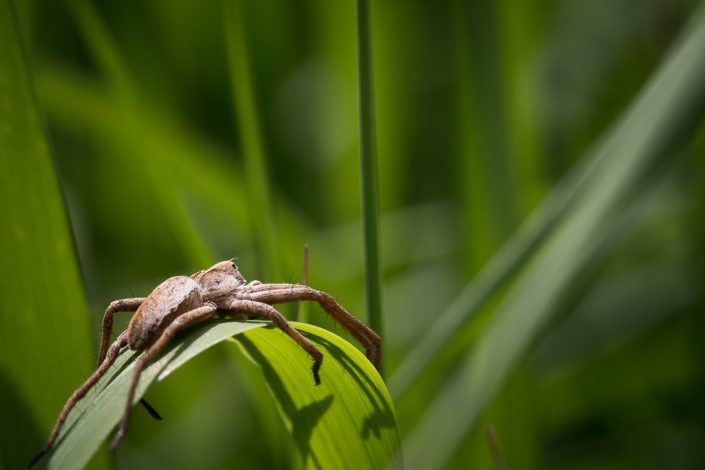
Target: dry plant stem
183,301
495,449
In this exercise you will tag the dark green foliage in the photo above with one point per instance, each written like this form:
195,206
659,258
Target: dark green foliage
541,192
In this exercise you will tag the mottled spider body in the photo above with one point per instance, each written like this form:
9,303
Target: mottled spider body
170,299
181,302
178,295
220,281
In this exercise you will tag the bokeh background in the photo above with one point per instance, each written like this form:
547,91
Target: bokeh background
483,109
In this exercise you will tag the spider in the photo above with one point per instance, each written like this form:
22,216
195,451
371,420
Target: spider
183,301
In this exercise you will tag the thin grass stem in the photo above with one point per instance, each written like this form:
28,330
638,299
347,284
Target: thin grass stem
368,167
253,148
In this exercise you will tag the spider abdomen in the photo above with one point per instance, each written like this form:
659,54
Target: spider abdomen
173,297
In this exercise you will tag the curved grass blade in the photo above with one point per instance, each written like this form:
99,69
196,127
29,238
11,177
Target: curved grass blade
44,329
89,424
348,421
282,361
662,118
583,182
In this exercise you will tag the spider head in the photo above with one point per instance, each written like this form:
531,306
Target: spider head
219,280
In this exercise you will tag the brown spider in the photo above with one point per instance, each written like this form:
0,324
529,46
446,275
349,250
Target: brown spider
180,302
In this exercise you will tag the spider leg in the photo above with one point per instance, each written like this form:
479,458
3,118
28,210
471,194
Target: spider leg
257,286
122,305
150,409
181,322
279,293
268,312
110,357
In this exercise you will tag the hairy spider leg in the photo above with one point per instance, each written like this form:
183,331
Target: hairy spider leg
281,293
181,322
268,312
121,305
111,355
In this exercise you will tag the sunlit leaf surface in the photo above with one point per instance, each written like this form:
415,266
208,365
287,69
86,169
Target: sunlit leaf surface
346,422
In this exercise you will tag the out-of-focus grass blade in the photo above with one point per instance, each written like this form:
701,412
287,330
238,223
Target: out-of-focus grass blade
664,115
489,194
582,181
97,414
44,330
351,407
140,146
253,148
493,277
80,105
348,421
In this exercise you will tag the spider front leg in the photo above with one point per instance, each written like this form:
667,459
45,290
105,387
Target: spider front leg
268,312
122,305
181,322
111,355
280,293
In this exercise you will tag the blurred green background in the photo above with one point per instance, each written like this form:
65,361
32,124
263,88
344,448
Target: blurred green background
585,349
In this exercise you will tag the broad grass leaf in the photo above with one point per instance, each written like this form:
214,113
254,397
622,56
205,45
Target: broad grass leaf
346,421
44,329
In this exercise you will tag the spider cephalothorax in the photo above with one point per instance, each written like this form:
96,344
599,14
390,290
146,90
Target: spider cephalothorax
183,301
219,281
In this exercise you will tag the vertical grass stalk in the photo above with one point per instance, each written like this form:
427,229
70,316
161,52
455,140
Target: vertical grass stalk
253,149
139,146
368,167
44,329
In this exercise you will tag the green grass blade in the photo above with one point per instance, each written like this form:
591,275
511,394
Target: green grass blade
368,167
588,173
44,329
346,422
489,193
81,106
139,146
520,247
663,116
102,47
351,403
94,417
253,147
